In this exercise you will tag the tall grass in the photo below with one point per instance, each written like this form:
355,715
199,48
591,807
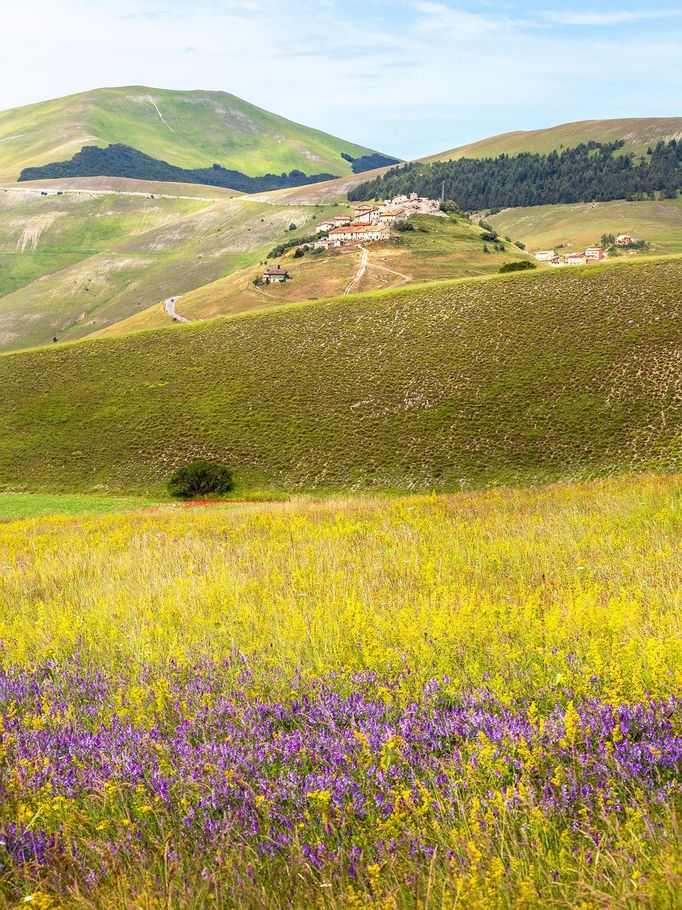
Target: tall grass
468,701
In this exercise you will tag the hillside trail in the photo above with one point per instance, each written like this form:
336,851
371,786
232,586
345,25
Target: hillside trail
169,309
360,274
366,264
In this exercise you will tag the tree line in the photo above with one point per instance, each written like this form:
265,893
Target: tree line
591,172
124,161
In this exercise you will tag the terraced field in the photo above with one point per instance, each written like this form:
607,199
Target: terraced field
514,379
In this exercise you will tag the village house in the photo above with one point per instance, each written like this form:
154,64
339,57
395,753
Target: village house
576,259
366,215
595,254
391,216
545,255
324,226
276,275
625,240
342,220
358,233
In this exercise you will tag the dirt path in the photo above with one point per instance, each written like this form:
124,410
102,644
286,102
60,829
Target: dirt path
169,309
360,274
405,279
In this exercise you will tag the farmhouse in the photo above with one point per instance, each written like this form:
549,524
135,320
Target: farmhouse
357,233
545,255
276,275
625,240
595,254
576,259
324,226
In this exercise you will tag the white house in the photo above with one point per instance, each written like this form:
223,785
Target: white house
576,259
359,233
625,239
545,255
324,226
390,216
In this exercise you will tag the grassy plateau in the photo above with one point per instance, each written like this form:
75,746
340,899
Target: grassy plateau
422,703
513,379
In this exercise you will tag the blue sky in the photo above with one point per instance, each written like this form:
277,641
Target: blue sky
410,77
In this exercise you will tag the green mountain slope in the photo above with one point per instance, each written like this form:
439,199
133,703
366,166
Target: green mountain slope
188,129
638,134
73,264
513,379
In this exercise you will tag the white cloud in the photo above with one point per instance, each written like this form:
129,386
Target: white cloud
607,17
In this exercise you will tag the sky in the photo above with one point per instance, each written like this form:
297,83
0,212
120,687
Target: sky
407,77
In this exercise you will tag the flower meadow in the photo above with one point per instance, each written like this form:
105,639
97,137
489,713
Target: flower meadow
428,702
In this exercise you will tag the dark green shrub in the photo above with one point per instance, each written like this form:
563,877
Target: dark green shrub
522,266
200,478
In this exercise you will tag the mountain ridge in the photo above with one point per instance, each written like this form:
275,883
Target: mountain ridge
190,129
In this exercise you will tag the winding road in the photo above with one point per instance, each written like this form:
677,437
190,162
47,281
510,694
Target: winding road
169,308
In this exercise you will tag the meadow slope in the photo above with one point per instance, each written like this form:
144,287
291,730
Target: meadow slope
511,379
73,264
543,227
466,701
188,129
638,133
438,249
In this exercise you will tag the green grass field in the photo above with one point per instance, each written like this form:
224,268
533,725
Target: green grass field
515,379
15,506
189,129
576,226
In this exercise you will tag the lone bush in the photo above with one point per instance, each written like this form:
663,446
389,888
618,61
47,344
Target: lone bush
199,478
522,266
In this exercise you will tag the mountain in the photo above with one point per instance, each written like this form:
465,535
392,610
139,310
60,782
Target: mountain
638,133
189,130
513,379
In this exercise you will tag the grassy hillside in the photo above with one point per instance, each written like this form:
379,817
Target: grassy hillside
188,129
513,379
638,132
438,249
73,264
575,226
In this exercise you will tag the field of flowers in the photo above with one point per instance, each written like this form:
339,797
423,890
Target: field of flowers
469,702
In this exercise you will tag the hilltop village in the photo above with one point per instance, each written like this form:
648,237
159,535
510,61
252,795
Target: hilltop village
373,222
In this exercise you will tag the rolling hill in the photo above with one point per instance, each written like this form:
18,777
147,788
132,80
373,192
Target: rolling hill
513,379
638,134
187,129
576,226
438,249
75,263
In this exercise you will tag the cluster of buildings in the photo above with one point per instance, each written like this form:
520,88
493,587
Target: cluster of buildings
373,221
591,254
